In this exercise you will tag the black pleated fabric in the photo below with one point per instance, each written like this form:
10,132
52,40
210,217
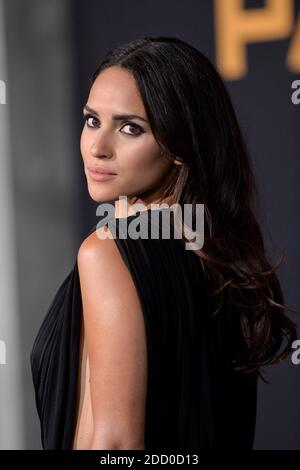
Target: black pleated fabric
194,398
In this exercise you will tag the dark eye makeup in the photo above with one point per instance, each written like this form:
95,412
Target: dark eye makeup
88,117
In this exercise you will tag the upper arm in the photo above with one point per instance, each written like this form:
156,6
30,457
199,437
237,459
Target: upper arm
116,344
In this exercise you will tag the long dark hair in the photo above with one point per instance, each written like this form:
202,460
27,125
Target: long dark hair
193,119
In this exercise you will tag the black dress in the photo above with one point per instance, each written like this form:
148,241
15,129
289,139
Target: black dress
194,398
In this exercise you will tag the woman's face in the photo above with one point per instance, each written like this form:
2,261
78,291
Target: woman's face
123,145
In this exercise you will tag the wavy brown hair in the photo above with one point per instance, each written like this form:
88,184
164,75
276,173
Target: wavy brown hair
192,118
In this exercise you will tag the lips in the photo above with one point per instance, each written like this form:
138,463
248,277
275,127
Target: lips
100,171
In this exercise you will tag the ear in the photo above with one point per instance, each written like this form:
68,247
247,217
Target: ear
178,162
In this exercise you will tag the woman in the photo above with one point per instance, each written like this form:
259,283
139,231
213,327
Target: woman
147,344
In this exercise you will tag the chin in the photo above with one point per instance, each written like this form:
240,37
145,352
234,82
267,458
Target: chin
100,196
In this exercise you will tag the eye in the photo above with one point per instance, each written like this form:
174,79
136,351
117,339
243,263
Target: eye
92,122
89,120
138,129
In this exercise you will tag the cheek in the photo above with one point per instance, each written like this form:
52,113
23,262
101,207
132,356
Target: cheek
142,154
148,161
83,144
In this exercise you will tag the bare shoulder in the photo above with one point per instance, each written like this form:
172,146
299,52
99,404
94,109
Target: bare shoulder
116,344
98,244
102,269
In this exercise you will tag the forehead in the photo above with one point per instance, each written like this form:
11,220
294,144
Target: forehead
115,88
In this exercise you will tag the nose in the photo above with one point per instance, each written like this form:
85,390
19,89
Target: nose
101,146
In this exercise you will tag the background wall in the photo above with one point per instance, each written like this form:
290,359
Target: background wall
51,48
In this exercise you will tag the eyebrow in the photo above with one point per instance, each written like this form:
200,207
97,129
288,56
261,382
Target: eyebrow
117,117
